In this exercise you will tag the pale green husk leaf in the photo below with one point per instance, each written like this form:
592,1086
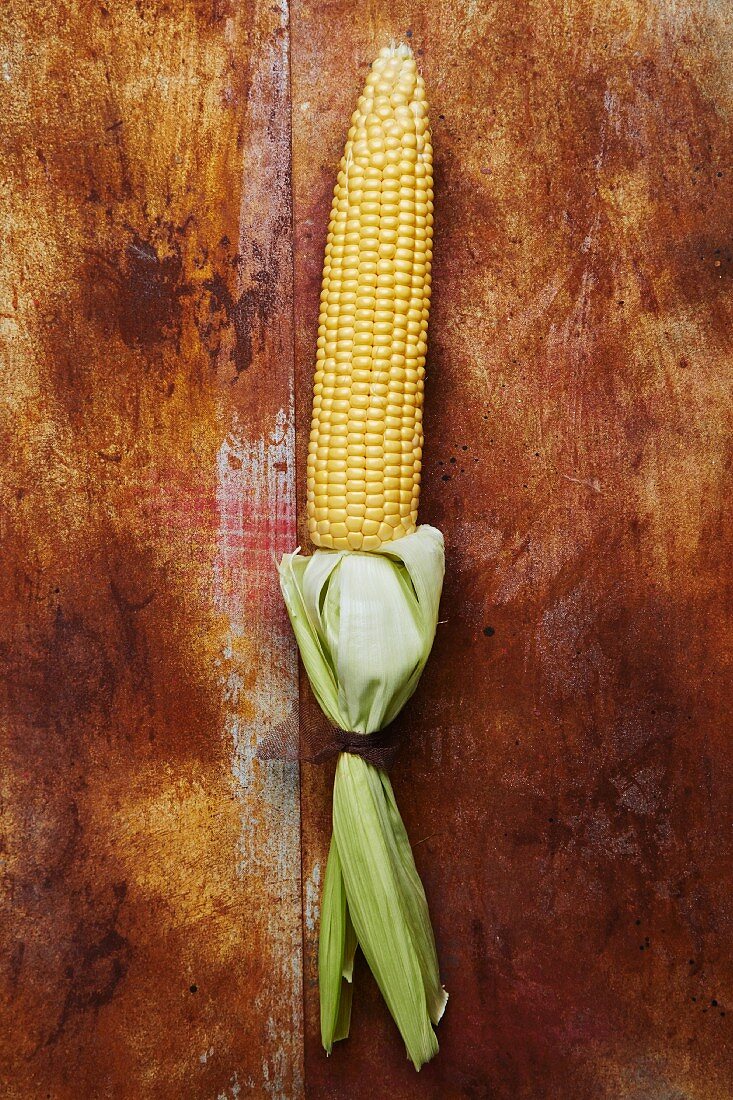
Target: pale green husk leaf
365,624
387,903
336,949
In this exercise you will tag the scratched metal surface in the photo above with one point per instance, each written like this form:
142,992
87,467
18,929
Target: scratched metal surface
150,905
568,775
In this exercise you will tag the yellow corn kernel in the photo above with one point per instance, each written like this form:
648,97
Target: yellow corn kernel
365,447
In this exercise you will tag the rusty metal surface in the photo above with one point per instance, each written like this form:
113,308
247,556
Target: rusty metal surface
150,905
568,778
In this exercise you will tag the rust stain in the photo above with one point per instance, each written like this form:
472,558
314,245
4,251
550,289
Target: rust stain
149,291
250,312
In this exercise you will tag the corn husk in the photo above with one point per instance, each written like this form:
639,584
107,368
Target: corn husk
365,624
336,950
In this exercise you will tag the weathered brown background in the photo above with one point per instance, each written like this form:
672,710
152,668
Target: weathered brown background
569,775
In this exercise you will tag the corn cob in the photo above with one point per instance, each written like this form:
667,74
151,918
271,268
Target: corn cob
365,622
366,438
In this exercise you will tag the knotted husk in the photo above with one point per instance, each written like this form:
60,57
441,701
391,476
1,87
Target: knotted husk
365,624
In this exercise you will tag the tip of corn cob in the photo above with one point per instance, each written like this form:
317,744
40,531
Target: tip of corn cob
394,49
365,451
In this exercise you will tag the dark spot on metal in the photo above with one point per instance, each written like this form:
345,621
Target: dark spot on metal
139,292
150,294
248,313
65,676
103,965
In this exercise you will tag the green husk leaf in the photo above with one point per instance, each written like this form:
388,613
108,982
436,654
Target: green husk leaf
336,948
350,946
292,570
415,903
378,904
365,624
